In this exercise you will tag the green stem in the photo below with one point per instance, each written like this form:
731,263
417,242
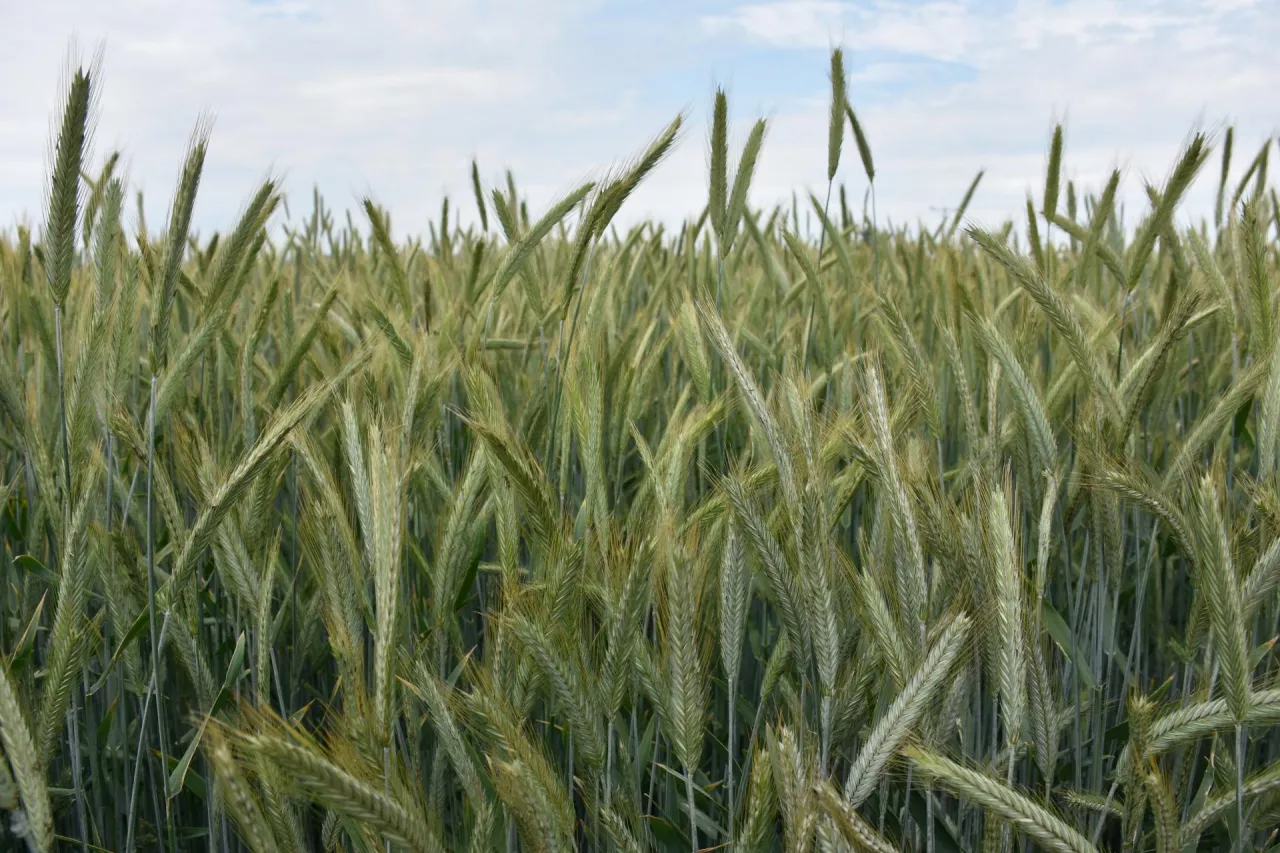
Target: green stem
693,824
822,241
729,748
73,714
154,693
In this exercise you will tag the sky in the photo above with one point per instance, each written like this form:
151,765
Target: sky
393,99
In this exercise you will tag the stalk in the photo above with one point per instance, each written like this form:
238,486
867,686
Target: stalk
808,325
137,759
153,692
73,713
1242,829
693,823
732,742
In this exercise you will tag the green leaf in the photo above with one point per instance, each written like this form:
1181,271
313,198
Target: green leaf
1061,634
178,778
26,643
140,624
468,582
37,568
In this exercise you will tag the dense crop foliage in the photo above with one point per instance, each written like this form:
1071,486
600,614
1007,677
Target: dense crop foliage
537,536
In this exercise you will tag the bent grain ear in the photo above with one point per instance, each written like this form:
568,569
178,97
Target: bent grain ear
964,203
617,192
106,233
1010,594
1227,144
1053,175
1254,248
608,200
835,127
1028,816
67,642
1184,172
64,192
184,201
719,191
327,780
857,832
742,183
1257,172
236,793
387,251
860,139
898,721
1221,587
476,188
28,772
525,245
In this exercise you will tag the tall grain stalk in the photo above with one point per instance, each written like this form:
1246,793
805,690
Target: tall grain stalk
63,211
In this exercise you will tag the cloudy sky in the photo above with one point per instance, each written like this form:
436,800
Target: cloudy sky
394,98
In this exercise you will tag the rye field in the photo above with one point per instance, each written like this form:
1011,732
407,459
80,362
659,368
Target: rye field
782,531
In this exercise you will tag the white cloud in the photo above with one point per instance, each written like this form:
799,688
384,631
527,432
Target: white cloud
394,97
388,97
1130,79
940,28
